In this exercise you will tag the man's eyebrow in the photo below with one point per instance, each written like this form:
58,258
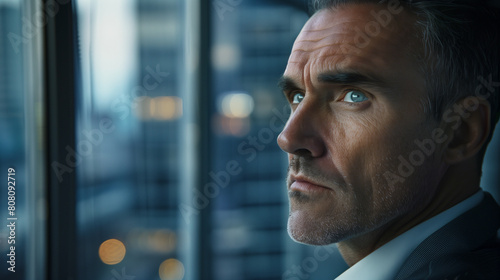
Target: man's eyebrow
287,84
350,78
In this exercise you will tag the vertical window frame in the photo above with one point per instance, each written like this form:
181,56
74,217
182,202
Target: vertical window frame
59,69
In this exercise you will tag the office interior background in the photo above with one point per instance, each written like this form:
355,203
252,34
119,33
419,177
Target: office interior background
143,138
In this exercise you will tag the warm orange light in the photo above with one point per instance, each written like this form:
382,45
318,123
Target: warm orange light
233,126
171,269
168,108
112,251
162,108
163,241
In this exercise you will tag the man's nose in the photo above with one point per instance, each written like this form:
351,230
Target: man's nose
301,135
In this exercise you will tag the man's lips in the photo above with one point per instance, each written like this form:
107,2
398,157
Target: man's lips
306,185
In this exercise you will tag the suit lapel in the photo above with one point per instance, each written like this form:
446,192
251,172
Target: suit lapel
436,255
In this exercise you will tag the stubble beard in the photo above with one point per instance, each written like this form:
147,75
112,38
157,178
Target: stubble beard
347,218
304,226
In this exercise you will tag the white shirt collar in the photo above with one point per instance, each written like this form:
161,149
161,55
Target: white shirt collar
384,263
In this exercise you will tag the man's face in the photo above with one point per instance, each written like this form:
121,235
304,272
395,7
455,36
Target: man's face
357,105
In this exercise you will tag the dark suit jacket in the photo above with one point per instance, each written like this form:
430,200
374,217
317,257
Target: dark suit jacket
466,248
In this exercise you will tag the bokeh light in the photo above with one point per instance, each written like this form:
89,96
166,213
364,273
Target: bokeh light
161,108
232,126
163,241
152,240
226,57
112,251
237,105
167,107
171,269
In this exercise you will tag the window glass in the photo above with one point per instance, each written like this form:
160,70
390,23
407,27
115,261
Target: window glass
129,110
131,138
22,197
12,148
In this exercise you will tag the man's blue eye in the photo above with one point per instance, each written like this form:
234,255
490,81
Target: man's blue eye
297,98
355,96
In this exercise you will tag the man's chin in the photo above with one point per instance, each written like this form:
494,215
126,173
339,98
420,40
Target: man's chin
307,231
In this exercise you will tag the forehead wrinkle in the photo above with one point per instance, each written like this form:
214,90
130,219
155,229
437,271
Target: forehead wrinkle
306,77
322,49
339,62
313,49
325,41
341,43
344,28
323,63
332,63
308,29
338,42
303,79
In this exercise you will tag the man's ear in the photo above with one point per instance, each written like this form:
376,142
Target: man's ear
470,131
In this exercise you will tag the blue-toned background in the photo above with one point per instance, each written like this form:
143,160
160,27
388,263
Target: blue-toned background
178,174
